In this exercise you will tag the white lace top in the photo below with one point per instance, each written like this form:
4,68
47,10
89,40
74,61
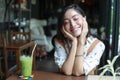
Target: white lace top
90,61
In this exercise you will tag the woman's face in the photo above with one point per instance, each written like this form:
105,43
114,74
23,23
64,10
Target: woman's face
73,22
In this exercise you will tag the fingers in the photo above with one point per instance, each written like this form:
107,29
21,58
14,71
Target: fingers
85,26
67,34
63,30
83,35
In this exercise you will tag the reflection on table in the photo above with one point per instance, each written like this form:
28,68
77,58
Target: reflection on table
42,75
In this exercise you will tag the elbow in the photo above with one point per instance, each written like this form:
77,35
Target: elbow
78,73
67,72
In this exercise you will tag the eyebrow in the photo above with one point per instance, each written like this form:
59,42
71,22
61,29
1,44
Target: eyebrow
74,15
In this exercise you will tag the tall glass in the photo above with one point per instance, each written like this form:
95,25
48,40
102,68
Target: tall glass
26,65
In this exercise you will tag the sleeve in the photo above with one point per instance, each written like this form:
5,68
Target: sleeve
59,55
93,59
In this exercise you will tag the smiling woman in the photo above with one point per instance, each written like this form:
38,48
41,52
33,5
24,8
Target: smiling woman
72,42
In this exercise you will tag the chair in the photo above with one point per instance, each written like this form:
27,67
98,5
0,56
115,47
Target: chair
19,43
3,36
1,72
14,38
1,56
20,38
23,37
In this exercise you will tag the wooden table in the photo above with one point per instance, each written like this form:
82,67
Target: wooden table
42,75
97,77
17,48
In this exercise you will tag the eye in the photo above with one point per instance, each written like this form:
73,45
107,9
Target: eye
75,18
66,22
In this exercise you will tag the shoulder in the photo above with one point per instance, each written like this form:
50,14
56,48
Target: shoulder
56,40
95,40
95,45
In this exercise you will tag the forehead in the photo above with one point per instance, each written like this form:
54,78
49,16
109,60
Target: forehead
70,13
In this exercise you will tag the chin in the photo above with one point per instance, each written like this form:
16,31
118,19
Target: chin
76,35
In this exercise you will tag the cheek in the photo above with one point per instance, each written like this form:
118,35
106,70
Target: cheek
66,27
80,21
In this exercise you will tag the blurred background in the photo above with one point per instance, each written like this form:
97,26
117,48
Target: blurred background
40,17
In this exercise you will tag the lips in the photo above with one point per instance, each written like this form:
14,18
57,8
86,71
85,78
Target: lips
75,29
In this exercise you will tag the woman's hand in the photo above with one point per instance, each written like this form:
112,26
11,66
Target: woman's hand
68,35
82,38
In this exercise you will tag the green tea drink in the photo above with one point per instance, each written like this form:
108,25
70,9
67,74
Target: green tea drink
26,65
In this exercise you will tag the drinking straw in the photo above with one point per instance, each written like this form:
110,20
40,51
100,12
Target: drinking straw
33,49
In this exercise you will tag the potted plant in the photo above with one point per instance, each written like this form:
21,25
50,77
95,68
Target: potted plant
108,67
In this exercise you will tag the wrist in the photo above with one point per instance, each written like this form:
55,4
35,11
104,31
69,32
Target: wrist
74,41
80,46
82,41
80,50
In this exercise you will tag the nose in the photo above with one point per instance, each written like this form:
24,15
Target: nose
72,23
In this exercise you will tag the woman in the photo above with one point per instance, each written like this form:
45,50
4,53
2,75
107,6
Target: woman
72,42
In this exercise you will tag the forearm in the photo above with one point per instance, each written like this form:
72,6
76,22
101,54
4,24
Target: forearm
78,63
68,64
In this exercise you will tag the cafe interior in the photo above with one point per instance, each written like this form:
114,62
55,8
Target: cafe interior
28,26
